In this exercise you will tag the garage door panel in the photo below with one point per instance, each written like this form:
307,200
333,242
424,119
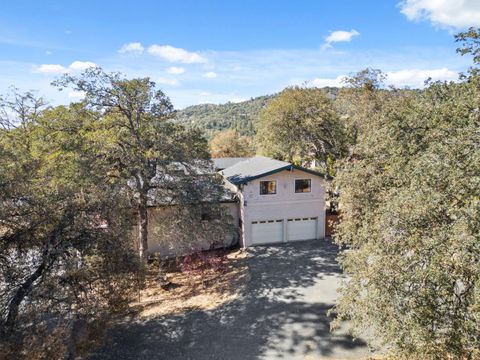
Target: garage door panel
267,232
301,229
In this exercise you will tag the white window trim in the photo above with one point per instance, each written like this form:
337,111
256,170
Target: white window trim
302,178
260,187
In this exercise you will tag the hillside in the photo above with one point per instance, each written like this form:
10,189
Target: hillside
239,116
210,117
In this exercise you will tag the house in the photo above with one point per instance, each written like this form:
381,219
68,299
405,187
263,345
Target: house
278,201
223,163
270,201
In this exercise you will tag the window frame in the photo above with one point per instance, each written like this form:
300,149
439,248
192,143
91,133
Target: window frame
267,181
303,179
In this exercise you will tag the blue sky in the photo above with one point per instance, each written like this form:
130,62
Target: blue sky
218,51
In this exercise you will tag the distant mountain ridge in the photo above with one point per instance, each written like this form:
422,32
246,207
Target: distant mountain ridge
241,116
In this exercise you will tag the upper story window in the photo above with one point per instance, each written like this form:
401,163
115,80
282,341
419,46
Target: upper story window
268,187
303,185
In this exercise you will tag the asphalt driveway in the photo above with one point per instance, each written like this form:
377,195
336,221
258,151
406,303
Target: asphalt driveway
281,314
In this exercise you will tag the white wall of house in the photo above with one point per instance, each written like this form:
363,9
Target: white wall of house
284,208
284,205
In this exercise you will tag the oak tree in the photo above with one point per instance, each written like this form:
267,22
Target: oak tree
302,124
159,162
229,143
66,263
409,197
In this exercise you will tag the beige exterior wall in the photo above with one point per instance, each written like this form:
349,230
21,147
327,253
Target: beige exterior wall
283,205
169,246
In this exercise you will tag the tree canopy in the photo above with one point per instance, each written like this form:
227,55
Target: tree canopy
158,161
212,118
411,221
302,124
65,254
229,143
74,181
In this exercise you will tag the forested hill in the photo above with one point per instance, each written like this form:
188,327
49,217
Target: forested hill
210,117
238,116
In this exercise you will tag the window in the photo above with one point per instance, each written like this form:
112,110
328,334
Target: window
303,185
268,187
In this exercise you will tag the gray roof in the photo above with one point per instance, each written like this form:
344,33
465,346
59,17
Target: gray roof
256,167
223,163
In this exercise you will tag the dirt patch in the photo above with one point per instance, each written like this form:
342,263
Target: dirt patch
179,292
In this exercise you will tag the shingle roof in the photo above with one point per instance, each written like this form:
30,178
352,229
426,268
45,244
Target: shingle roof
256,167
223,163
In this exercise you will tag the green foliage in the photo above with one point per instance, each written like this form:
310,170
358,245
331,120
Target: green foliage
470,41
157,161
66,263
229,143
410,209
211,118
241,117
302,124
364,92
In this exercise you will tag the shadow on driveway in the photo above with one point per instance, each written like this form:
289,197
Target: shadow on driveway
280,313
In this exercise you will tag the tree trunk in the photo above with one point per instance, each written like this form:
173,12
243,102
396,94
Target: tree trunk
48,259
19,296
143,229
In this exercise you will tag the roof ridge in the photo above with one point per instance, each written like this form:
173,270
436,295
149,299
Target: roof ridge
255,167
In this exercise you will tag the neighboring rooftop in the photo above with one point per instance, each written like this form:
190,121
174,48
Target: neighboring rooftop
223,163
256,167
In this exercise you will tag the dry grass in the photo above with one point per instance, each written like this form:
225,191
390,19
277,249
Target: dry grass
187,291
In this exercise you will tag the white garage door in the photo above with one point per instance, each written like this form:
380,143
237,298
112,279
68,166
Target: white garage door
267,232
301,229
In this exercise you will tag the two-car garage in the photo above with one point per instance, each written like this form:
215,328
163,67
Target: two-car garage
280,230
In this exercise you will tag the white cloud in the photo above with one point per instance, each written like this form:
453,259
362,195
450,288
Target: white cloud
50,69
218,98
443,13
168,81
60,69
175,70
81,65
173,54
415,78
131,48
323,82
210,75
258,72
340,36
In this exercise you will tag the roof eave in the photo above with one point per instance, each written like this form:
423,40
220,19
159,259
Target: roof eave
310,171
286,167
